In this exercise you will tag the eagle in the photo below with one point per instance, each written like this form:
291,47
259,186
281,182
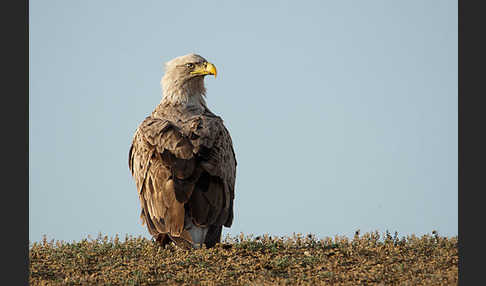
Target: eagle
182,161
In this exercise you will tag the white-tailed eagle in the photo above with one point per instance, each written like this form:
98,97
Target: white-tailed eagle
183,162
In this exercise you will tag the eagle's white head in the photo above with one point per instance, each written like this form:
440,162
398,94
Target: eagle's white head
183,81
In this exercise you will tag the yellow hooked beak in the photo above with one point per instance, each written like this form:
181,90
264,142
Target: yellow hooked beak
205,69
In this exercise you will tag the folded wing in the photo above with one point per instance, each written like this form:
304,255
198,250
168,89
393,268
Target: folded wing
184,169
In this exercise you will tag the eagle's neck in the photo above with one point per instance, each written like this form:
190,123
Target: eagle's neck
187,94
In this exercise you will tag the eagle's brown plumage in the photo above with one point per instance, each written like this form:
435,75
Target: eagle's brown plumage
183,162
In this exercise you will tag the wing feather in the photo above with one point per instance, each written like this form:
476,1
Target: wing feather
189,163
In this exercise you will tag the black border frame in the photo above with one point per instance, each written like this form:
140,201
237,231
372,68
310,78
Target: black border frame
15,119
470,142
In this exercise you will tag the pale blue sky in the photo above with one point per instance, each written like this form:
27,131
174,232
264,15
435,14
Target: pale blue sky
343,114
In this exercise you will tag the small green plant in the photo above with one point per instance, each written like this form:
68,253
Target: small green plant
366,259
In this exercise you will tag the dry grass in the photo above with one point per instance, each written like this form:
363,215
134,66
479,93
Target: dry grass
248,260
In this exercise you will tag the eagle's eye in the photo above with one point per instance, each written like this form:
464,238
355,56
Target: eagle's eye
190,65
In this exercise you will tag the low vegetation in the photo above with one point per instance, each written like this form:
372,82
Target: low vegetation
368,259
